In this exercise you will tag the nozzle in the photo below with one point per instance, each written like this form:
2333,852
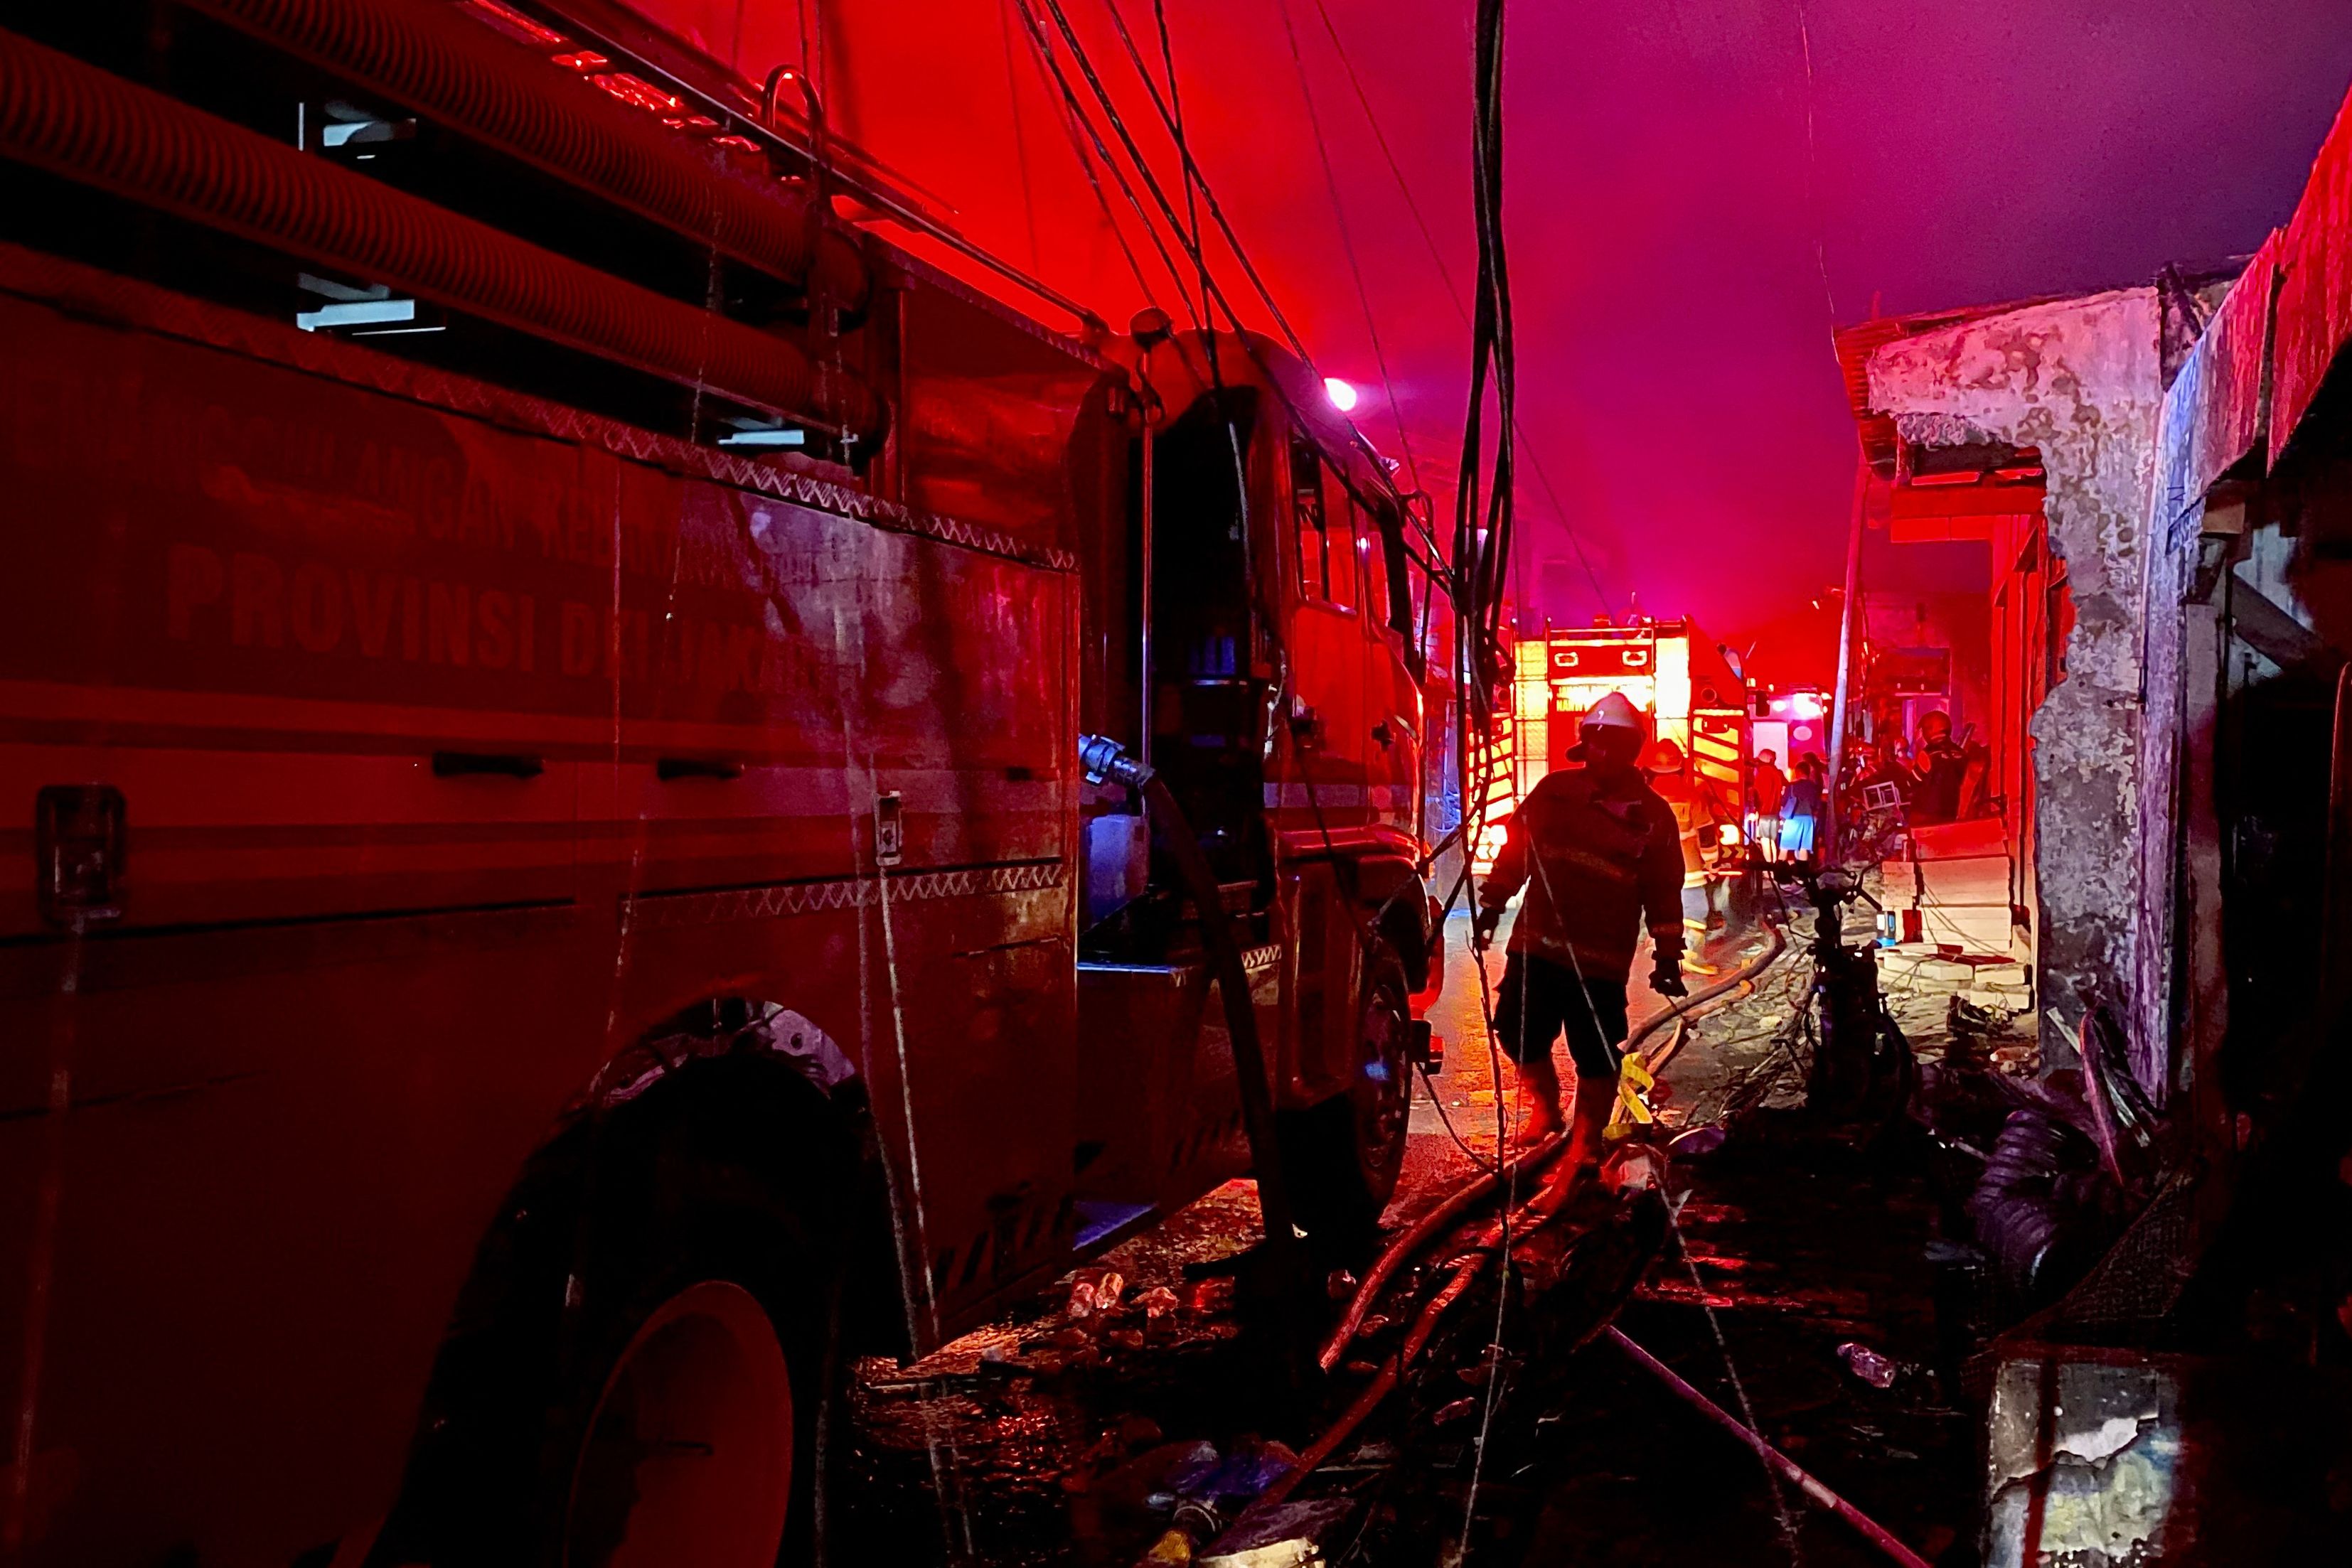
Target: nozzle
1104,761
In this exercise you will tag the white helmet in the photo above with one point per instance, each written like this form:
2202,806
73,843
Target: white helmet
1614,712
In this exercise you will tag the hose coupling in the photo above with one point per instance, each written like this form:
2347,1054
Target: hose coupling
1104,761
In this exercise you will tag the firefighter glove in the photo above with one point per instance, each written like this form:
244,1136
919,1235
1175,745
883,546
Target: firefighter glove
1483,924
1666,975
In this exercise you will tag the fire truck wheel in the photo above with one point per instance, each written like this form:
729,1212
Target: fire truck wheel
1342,1156
689,1453
643,1368
689,1431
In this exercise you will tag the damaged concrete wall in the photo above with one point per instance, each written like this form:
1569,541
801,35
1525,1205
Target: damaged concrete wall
2157,828
2078,380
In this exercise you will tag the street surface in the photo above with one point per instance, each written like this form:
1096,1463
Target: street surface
1035,1441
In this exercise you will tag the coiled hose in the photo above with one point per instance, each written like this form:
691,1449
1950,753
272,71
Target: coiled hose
89,126
2024,1205
428,57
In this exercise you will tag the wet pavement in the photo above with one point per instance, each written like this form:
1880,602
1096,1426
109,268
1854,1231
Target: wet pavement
1039,1439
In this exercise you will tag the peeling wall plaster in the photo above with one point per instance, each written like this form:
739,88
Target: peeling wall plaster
2078,379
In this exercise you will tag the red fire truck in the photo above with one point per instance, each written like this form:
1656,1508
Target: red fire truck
551,897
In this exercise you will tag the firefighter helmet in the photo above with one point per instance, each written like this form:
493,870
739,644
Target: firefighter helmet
1663,756
1614,712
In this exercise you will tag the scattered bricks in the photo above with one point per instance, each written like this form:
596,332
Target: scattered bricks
1992,1001
1944,972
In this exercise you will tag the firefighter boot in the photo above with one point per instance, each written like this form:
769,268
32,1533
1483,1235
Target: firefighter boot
1596,1099
1539,1102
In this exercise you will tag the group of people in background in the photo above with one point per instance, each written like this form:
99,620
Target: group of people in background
1938,781
1785,811
1625,840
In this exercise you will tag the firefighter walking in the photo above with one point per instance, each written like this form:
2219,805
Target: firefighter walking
1599,853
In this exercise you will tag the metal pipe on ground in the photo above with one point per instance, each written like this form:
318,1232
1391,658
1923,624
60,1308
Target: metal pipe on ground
1870,1530
95,128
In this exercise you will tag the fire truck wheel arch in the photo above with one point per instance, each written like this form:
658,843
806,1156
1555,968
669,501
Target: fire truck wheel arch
1392,891
732,1171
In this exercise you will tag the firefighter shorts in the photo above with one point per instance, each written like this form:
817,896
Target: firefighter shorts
1539,999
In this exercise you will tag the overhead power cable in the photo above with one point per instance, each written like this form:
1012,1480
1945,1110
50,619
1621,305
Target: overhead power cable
1347,245
1184,151
1482,516
1079,119
1176,121
1194,244
1216,292
1453,293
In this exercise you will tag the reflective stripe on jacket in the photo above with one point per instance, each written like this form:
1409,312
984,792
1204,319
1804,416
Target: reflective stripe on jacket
1598,864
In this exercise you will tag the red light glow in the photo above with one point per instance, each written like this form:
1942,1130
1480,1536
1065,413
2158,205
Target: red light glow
636,93
515,25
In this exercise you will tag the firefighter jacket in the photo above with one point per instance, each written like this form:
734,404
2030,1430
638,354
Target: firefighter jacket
1695,814
1943,766
1598,862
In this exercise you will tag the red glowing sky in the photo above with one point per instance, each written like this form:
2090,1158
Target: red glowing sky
1678,256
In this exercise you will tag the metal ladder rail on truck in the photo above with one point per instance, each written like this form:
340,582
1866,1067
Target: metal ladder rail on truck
542,675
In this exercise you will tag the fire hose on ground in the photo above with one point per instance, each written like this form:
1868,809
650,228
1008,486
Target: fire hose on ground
1476,1190
1526,1220
1104,760
1704,999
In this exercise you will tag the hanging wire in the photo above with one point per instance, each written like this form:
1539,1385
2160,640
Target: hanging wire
1453,297
1813,170
1478,554
1192,170
1197,180
1211,288
1348,244
1021,154
1176,124
1078,120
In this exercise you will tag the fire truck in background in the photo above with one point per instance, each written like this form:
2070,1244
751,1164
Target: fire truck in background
551,898
1685,683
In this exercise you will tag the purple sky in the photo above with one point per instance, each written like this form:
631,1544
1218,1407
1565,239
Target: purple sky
1678,258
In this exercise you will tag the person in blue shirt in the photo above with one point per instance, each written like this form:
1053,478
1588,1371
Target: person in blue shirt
1801,811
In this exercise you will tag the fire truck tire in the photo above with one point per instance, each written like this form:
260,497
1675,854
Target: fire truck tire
709,1327
688,1452
1341,1157
650,1381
